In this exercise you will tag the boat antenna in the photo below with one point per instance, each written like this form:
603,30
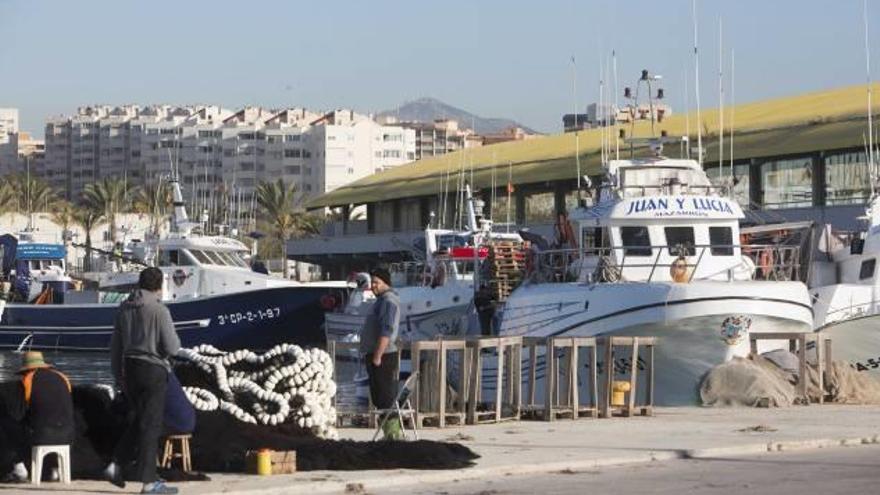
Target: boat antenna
697,86
615,110
510,190
720,99
687,117
577,138
871,162
732,114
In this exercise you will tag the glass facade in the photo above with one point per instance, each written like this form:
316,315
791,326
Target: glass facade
787,183
540,207
499,213
740,181
847,180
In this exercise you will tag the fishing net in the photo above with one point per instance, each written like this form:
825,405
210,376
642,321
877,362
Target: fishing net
772,381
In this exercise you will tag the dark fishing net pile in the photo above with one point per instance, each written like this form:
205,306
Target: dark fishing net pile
220,443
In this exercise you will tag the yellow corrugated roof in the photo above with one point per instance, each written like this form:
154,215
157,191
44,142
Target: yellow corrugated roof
810,122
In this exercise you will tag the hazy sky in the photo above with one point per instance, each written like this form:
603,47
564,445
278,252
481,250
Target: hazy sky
506,58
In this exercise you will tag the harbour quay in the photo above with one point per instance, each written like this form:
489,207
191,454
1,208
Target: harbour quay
527,449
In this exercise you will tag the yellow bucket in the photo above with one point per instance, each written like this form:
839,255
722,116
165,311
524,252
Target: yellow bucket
264,462
618,392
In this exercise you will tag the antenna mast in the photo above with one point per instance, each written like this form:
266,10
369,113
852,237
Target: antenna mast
577,137
871,162
697,87
720,100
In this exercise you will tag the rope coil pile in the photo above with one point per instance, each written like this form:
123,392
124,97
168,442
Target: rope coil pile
286,384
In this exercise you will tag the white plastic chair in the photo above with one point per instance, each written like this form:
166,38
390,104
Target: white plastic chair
38,452
402,409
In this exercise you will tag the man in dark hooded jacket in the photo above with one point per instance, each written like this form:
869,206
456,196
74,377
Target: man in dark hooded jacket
143,340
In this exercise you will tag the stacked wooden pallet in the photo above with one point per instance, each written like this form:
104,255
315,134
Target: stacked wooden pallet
506,261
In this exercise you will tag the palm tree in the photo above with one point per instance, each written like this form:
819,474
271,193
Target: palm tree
8,197
88,218
62,214
152,200
278,205
108,196
30,194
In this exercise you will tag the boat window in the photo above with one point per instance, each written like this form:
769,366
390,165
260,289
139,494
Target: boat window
593,238
215,258
721,239
227,258
239,258
172,257
200,256
867,270
680,241
636,241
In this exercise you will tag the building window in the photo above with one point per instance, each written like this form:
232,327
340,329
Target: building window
721,239
787,183
391,154
292,170
292,137
246,136
293,153
246,166
636,241
847,180
680,241
540,207
867,270
739,178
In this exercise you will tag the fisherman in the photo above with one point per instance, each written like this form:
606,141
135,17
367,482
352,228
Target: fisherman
43,410
379,347
143,340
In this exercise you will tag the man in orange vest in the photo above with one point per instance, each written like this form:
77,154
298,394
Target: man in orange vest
45,409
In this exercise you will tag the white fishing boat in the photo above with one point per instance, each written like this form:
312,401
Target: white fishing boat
659,254
435,294
846,292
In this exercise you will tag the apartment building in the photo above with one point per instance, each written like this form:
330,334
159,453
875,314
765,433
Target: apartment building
19,151
438,137
215,148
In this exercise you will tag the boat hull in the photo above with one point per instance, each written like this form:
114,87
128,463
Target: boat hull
857,341
692,322
254,319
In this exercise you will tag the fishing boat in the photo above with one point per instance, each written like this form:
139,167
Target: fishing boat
658,254
436,293
846,292
213,295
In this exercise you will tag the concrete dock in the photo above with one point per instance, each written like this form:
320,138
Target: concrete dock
529,447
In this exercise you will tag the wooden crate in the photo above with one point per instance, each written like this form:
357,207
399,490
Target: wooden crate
283,461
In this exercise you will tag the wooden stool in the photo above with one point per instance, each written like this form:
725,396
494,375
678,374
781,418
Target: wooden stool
169,454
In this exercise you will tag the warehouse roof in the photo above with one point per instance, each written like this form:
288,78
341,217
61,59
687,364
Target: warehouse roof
811,122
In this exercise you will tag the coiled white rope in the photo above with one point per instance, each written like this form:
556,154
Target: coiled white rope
285,384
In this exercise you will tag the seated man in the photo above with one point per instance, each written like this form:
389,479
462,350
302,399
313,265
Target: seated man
43,407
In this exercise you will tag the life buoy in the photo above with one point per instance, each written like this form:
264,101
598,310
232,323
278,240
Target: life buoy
678,270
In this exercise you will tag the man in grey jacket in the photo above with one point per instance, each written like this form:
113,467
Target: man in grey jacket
143,340
379,346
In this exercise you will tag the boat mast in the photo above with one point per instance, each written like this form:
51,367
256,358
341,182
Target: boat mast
871,162
697,87
720,101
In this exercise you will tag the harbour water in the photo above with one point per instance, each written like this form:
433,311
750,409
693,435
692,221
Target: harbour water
80,367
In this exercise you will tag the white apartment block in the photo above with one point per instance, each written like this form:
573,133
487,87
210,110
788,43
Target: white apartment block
215,148
19,152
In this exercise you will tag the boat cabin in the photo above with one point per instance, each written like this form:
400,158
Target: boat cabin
659,220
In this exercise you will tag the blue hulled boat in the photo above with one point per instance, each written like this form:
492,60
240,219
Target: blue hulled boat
213,294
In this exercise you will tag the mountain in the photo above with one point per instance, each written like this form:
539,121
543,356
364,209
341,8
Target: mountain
430,109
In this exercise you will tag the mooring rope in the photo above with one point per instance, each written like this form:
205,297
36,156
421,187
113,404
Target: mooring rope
285,384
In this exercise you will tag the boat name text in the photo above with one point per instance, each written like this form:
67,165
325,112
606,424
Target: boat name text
697,207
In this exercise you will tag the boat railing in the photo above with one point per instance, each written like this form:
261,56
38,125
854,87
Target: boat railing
658,189
608,264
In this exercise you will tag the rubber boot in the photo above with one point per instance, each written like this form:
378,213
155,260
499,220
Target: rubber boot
392,429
